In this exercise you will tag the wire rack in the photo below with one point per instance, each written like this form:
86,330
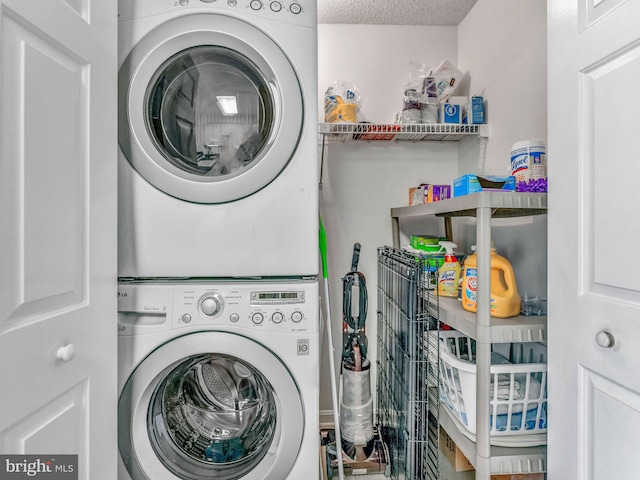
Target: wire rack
407,363
417,132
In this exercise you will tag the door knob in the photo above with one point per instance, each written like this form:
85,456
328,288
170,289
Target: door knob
66,353
605,339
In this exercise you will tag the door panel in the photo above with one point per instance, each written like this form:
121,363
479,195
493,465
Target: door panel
58,427
46,164
594,287
58,359
622,407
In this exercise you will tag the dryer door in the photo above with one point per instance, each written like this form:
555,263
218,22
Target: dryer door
210,108
210,405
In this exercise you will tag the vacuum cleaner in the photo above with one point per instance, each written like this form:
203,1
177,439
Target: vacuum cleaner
362,449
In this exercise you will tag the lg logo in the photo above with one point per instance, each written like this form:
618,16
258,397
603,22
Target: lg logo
303,347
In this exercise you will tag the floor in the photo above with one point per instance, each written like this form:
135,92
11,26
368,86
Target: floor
446,473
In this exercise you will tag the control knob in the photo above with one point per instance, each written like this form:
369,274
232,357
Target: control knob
210,304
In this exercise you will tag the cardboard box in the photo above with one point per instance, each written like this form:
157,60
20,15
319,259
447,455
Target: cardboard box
415,197
519,476
455,456
471,183
436,193
473,110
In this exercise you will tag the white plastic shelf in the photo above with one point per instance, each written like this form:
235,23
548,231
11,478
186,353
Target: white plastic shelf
502,330
388,132
503,460
502,204
487,458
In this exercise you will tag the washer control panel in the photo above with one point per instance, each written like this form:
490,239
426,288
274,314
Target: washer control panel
282,307
271,307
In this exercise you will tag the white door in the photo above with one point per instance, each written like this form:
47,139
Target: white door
58,81
594,279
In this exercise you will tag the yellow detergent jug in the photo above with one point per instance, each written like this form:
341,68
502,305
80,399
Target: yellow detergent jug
505,300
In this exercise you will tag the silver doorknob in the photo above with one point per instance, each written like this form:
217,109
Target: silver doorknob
66,353
605,339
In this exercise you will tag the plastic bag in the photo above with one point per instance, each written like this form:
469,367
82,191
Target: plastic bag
426,89
411,95
341,102
446,77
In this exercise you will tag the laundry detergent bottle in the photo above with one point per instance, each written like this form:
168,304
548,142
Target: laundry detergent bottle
505,300
449,272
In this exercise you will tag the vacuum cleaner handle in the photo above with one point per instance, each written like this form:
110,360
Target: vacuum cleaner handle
355,258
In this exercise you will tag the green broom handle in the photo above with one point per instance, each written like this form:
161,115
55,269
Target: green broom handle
323,250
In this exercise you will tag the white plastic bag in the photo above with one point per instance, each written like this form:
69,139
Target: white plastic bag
341,102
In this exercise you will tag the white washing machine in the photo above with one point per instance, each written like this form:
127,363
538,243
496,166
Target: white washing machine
218,380
218,161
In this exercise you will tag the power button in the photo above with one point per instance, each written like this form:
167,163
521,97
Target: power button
295,8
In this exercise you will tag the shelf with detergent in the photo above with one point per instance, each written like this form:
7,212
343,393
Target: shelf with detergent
503,460
502,205
502,330
487,458
437,132
489,204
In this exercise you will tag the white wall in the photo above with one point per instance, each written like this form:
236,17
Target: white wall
506,60
503,44
362,181
376,58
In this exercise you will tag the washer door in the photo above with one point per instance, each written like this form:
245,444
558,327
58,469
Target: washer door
210,108
210,405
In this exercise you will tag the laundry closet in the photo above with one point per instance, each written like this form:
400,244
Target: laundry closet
516,56
563,71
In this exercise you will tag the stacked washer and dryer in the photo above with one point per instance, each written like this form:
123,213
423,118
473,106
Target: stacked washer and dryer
218,319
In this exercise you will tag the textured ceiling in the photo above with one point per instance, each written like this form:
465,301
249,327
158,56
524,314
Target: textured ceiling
390,12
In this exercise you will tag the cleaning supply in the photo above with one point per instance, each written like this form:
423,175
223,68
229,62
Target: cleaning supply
449,272
505,300
528,160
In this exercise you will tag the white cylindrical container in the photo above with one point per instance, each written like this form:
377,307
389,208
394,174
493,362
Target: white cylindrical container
356,407
528,160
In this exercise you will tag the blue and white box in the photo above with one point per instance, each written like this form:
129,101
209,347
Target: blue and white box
451,113
471,183
476,110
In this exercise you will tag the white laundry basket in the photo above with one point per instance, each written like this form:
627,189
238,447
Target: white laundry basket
518,405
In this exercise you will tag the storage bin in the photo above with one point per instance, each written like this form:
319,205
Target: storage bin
518,393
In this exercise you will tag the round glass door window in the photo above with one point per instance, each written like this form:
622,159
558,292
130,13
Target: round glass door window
210,112
212,416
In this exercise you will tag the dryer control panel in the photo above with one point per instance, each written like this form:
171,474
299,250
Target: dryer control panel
294,12
282,307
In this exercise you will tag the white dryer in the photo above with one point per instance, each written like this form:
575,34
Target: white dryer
218,381
218,170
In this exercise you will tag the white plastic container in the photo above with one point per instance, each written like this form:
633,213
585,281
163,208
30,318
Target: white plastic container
518,404
356,407
528,160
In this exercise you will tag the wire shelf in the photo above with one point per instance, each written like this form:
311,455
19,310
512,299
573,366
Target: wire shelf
414,132
408,357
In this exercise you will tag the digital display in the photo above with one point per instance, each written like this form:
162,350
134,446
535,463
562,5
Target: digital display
277,297
268,296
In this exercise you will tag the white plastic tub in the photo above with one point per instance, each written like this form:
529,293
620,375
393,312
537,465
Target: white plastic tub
518,404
